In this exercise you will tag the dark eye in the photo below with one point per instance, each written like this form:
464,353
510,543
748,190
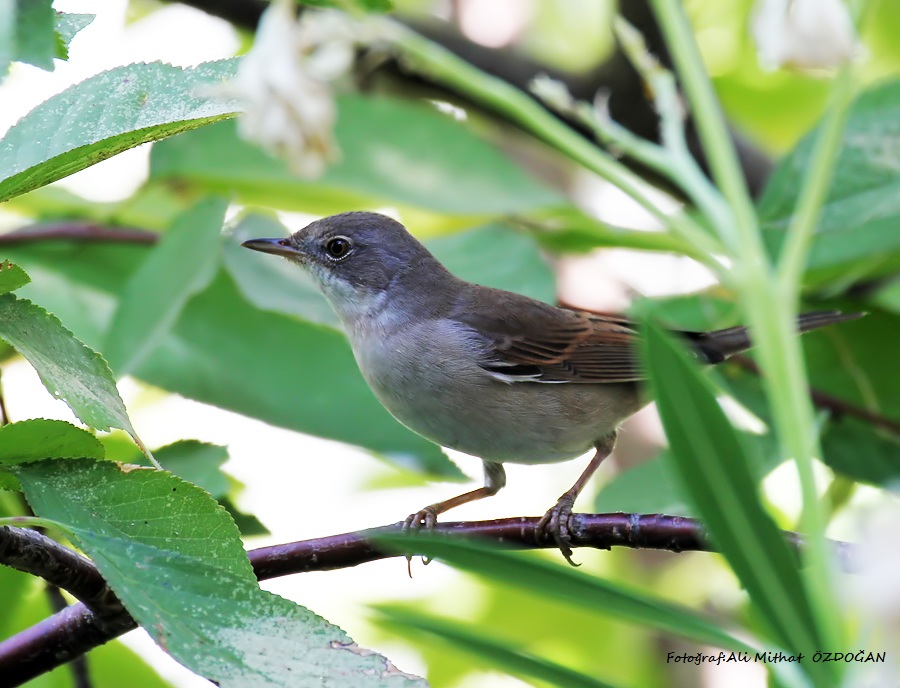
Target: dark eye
338,247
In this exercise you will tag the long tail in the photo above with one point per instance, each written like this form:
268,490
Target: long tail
715,347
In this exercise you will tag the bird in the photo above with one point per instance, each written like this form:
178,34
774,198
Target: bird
490,373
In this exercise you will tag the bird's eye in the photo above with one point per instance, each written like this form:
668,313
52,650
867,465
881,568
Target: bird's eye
338,247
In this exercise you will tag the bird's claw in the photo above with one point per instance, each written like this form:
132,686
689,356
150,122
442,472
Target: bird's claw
555,523
423,519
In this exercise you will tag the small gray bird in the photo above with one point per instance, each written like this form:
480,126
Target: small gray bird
484,371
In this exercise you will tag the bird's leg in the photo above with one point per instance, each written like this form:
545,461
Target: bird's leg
494,480
556,521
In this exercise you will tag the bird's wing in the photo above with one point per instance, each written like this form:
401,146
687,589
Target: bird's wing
541,343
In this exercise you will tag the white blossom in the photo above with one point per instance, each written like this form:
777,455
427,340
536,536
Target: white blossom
803,34
285,84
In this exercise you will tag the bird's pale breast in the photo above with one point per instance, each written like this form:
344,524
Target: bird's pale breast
429,380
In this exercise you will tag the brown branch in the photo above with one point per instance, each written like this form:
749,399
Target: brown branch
77,231
76,630
32,552
834,405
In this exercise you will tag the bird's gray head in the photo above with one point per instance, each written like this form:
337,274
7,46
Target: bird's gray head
355,258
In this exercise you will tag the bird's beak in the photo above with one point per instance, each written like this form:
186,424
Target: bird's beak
280,247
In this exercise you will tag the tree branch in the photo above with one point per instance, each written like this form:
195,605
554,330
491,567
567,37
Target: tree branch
76,630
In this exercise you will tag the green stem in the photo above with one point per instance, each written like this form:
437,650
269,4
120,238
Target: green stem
792,259
443,66
770,309
717,145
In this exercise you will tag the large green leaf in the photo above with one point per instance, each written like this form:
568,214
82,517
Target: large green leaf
391,151
715,470
105,115
175,559
69,370
859,221
182,264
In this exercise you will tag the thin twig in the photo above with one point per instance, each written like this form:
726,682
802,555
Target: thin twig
77,231
77,629
836,406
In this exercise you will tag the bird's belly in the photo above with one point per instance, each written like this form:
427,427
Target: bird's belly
457,405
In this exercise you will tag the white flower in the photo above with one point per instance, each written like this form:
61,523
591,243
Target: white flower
803,34
285,84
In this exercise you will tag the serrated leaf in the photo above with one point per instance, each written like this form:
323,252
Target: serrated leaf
182,264
12,277
175,559
69,370
105,115
392,150
715,471
67,26
40,438
35,34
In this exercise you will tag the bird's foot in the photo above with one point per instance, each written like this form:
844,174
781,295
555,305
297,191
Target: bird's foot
555,523
423,519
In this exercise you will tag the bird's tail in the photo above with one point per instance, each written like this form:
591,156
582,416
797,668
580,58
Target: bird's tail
717,346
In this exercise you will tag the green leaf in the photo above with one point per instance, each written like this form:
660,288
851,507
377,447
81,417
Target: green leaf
182,264
105,115
499,654
35,41
69,370
12,277
716,472
857,232
197,462
391,151
67,26
568,585
175,559
32,440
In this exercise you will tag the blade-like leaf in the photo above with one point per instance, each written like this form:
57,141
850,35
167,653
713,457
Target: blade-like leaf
69,370
391,150
499,654
105,115
175,559
569,585
12,277
717,474
182,264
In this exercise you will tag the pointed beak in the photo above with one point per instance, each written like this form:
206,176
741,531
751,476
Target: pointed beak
280,247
